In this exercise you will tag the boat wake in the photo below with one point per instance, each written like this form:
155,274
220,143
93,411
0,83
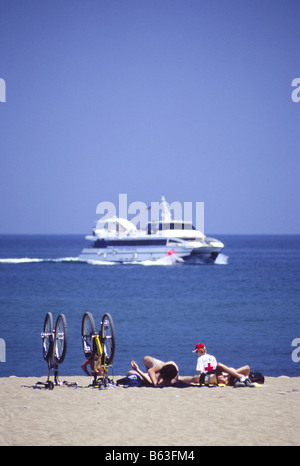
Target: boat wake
222,259
170,259
30,260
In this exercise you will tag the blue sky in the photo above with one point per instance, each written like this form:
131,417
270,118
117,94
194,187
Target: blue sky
186,98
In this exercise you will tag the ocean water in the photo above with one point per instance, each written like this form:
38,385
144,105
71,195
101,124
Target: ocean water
245,308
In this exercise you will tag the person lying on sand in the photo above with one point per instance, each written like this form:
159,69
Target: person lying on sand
211,371
159,373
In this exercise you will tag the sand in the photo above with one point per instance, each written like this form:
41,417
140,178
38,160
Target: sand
268,414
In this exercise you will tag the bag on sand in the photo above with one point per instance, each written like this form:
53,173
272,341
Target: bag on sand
256,377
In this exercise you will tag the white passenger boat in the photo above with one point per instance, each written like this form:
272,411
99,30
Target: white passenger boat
118,240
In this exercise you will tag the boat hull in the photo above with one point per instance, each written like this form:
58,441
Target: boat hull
125,255
206,257
141,254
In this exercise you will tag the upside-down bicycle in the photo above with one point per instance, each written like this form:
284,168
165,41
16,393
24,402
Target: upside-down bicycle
54,340
98,347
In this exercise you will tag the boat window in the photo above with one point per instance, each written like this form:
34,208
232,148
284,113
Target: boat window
153,227
177,226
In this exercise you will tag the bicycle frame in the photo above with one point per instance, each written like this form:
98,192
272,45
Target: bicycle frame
52,364
51,350
98,347
102,380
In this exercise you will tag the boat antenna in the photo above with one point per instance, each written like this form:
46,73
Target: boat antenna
166,214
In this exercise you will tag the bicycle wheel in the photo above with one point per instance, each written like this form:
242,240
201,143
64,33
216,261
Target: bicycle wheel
88,329
60,339
108,337
47,336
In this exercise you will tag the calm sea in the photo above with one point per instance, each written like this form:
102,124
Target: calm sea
245,308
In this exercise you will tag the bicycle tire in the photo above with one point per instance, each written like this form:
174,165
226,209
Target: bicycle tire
60,339
47,336
108,337
88,329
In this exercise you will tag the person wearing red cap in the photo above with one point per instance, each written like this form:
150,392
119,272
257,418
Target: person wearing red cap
206,366
205,362
212,372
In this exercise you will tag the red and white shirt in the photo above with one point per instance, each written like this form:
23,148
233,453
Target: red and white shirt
206,363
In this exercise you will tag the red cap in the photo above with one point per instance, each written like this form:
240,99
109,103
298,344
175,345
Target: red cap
199,346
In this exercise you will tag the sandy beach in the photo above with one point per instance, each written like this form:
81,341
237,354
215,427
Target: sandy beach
268,414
